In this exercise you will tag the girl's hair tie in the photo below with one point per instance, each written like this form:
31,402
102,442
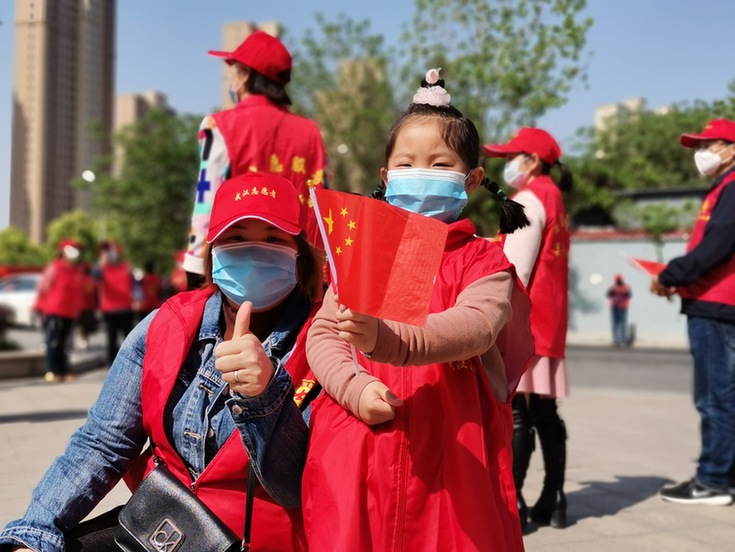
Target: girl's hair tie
512,216
432,90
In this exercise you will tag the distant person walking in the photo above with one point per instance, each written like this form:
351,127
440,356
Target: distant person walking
705,279
619,295
540,254
60,293
258,134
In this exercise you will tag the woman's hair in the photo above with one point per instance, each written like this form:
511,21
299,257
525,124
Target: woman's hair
259,84
309,263
431,101
566,180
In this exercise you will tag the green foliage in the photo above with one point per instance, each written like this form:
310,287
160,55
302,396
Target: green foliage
16,249
76,225
341,81
147,206
506,62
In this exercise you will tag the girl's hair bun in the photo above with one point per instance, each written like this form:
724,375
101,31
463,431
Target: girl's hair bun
432,90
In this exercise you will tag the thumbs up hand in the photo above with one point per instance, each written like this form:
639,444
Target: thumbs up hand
242,360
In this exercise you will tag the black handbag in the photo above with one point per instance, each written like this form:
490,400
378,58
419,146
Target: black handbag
163,515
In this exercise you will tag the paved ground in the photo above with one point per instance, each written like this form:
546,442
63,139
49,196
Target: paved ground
631,429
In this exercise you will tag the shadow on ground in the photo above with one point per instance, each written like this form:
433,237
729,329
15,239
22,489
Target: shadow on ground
606,498
50,416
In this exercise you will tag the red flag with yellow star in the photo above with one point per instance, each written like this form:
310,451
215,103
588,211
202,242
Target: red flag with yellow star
384,259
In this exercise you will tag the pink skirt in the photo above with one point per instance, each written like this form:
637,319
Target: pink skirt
546,376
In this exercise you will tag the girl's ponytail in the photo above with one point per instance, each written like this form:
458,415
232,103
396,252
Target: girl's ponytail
512,216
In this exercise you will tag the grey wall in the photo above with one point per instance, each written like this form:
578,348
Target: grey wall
592,266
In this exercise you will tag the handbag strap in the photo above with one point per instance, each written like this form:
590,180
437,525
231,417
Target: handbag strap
249,496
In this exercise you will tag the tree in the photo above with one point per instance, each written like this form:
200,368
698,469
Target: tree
16,249
341,81
76,225
147,206
508,61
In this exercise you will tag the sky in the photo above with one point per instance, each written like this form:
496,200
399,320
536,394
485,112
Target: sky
665,51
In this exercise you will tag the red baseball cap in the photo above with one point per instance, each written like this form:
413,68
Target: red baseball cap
716,129
70,242
264,53
262,196
528,140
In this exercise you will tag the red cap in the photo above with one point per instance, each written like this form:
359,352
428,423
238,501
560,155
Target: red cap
261,196
68,241
528,140
264,53
716,129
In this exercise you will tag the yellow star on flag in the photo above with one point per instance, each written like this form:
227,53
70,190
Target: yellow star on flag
352,225
343,211
330,222
338,250
348,241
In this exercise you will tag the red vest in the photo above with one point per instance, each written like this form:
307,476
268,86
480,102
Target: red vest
116,288
548,285
438,476
151,286
221,486
261,136
64,296
717,285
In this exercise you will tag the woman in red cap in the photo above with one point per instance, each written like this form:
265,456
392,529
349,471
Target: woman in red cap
258,134
60,293
540,254
208,380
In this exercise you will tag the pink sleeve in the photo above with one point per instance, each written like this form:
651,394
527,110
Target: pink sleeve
467,329
331,359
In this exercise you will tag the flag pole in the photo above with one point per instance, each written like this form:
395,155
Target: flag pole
330,260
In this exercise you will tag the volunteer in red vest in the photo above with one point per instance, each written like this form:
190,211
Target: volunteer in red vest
258,134
151,291
115,279
540,254
209,380
60,293
705,279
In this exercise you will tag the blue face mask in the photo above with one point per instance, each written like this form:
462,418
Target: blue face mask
259,272
430,192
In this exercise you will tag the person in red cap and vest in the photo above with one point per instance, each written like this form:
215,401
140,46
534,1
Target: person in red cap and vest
540,254
705,280
208,383
257,134
60,293
619,295
116,281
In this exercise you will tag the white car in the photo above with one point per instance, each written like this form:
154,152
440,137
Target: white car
18,292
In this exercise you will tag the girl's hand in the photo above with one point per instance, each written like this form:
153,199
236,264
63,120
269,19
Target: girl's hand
357,329
377,404
242,360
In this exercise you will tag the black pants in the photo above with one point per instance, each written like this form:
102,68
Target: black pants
57,334
117,324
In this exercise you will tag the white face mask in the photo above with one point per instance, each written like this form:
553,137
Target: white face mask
707,161
513,175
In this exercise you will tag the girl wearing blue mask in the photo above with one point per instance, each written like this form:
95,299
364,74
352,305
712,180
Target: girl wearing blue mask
416,449
209,381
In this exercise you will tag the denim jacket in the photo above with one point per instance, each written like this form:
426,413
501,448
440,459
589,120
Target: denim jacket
99,452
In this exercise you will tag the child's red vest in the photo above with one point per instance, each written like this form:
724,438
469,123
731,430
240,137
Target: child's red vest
116,287
221,486
64,297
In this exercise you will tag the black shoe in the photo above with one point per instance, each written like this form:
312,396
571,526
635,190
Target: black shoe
691,492
522,512
551,509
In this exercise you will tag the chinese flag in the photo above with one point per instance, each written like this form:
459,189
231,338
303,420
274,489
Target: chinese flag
651,268
384,259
